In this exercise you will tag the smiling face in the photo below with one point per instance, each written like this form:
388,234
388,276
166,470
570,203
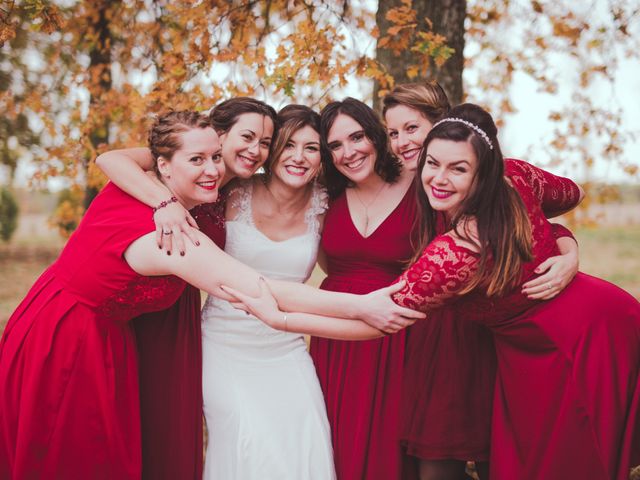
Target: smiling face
407,129
353,154
194,171
245,146
448,174
299,162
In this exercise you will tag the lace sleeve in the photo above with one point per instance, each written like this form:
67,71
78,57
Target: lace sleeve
319,205
439,274
555,194
239,201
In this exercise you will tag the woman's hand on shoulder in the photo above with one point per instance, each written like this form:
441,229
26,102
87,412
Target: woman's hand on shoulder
380,311
174,223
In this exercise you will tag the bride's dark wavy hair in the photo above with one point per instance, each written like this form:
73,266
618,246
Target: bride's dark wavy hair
504,229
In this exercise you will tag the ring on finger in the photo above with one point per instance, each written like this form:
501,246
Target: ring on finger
167,232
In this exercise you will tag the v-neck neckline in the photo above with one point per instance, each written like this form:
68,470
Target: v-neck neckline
353,224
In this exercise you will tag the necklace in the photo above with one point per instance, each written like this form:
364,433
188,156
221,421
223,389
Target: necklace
367,205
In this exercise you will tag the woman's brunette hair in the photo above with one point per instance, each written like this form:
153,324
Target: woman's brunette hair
427,98
387,166
224,115
164,139
504,229
290,119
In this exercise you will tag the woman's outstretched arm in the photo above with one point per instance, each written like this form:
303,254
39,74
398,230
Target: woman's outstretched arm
208,268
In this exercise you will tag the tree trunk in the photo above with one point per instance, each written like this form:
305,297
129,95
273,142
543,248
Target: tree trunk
100,66
448,18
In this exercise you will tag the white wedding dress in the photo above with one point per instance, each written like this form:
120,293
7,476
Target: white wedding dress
263,404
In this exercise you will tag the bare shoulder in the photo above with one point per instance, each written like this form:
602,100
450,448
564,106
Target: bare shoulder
466,234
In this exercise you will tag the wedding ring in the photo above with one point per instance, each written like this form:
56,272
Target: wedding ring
168,232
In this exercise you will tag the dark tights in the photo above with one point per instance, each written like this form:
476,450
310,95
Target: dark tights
450,470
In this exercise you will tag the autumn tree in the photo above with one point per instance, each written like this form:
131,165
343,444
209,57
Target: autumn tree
94,71
421,41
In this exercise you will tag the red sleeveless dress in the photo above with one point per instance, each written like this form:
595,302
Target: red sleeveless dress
169,346
361,381
68,365
567,393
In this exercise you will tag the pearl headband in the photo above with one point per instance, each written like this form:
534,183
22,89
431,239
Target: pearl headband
472,126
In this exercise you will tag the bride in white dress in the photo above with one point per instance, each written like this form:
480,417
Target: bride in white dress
263,405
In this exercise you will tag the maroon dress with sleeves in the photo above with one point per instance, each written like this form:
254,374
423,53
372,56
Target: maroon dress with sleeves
449,373
69,404
567,393
169,346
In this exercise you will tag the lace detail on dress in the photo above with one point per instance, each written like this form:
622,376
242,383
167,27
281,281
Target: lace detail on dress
240,198
142,295
210,218
443,270
554,193
319,205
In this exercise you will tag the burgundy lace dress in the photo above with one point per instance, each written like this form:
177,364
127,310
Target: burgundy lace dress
68,364
449,374
567,394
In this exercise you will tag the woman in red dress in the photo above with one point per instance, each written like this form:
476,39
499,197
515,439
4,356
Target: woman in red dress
450,364
169,341
68,368
365,240
69,403
567,393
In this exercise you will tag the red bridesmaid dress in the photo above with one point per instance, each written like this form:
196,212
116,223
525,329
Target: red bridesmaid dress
69,403
567,393
449,373
170,364
361,381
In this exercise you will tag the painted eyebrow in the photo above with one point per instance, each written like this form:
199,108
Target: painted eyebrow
204,153
453,163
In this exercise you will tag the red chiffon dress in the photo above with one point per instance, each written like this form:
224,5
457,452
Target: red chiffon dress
169,346
69,405
567,393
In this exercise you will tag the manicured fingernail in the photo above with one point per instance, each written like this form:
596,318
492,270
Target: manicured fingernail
168,252
160,247
182,254
197,244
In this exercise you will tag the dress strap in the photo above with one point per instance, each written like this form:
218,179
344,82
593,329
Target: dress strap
240,198
319,205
